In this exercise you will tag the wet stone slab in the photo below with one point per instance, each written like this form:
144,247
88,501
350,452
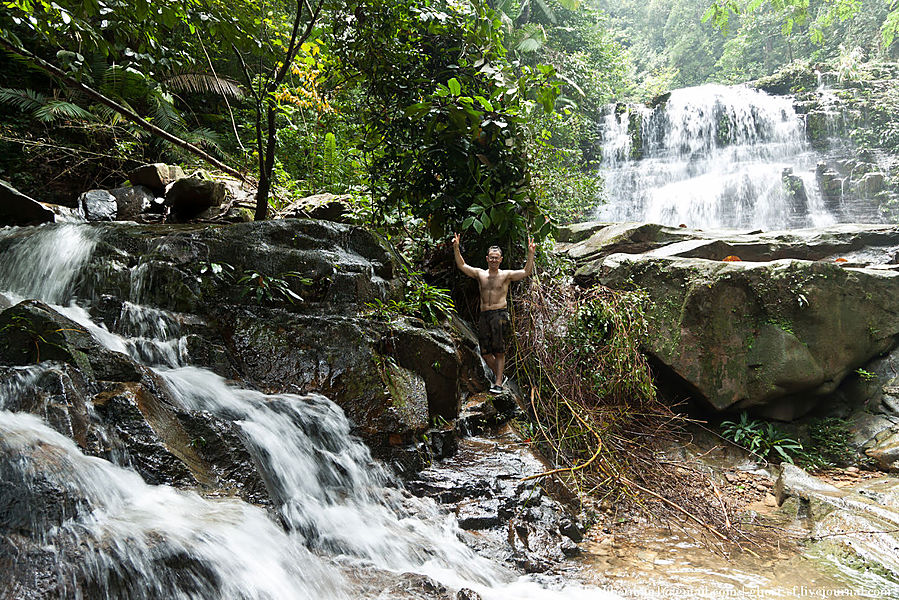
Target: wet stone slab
485,485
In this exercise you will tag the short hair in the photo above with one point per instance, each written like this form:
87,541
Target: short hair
492,248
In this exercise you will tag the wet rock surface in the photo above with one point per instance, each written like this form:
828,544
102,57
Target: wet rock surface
98,205
776,330
34,332
401,382
18,209
135,424
391,378
485,485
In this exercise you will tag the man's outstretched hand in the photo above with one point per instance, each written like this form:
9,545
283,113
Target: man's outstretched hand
455,240
532,247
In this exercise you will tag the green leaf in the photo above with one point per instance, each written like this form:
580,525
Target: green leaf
454,86
485,104
417,110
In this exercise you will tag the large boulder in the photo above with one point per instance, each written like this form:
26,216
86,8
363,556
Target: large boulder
587,243
327,207
132,201
190,196
18,209
155,176
98,205
776,336
33,332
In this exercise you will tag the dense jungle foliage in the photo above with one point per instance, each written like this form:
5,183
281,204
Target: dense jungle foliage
478,116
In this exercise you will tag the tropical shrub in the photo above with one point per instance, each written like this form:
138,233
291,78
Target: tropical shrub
760,438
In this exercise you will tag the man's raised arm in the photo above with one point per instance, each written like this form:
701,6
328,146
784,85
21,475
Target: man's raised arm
460,262
529,265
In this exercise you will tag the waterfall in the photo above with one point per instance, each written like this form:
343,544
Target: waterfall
338,514
711,156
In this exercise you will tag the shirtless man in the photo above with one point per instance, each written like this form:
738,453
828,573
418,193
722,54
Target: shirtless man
493,322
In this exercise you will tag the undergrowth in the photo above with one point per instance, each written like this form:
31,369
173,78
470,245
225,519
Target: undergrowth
763,439
594,409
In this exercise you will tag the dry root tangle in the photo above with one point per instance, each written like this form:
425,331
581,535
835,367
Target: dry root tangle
594,411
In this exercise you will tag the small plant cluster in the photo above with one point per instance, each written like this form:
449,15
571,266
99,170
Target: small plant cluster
265,289
762,439
829,443
420,299
271,288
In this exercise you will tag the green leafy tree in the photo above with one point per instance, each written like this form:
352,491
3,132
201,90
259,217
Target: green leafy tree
444,113
276,63
827,22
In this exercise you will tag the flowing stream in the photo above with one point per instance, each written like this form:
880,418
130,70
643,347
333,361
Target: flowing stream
711,156
340,514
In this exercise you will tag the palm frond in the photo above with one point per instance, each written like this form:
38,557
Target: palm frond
205,138
164,114
203,83
25,100
530,38
56,110
124,82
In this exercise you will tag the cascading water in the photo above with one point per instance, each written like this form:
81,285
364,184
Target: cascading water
711,156
338,510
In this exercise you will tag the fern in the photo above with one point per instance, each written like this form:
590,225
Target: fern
329,150
124,82
25,100
56,110
42,108
164,113
200,83
205,138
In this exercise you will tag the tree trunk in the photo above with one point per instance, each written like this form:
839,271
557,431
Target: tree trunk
268,163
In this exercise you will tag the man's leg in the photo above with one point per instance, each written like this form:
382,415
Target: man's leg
491,361
500,361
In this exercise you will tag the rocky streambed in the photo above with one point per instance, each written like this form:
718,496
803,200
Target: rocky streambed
164,432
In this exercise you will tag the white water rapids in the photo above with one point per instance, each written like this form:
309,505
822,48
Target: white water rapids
709,157
339,511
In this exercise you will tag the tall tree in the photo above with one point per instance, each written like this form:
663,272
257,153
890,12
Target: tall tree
265,87
444,112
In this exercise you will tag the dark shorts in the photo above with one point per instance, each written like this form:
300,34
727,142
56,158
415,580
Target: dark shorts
493,329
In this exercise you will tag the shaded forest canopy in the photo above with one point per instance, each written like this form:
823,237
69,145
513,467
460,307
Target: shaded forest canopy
434,116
